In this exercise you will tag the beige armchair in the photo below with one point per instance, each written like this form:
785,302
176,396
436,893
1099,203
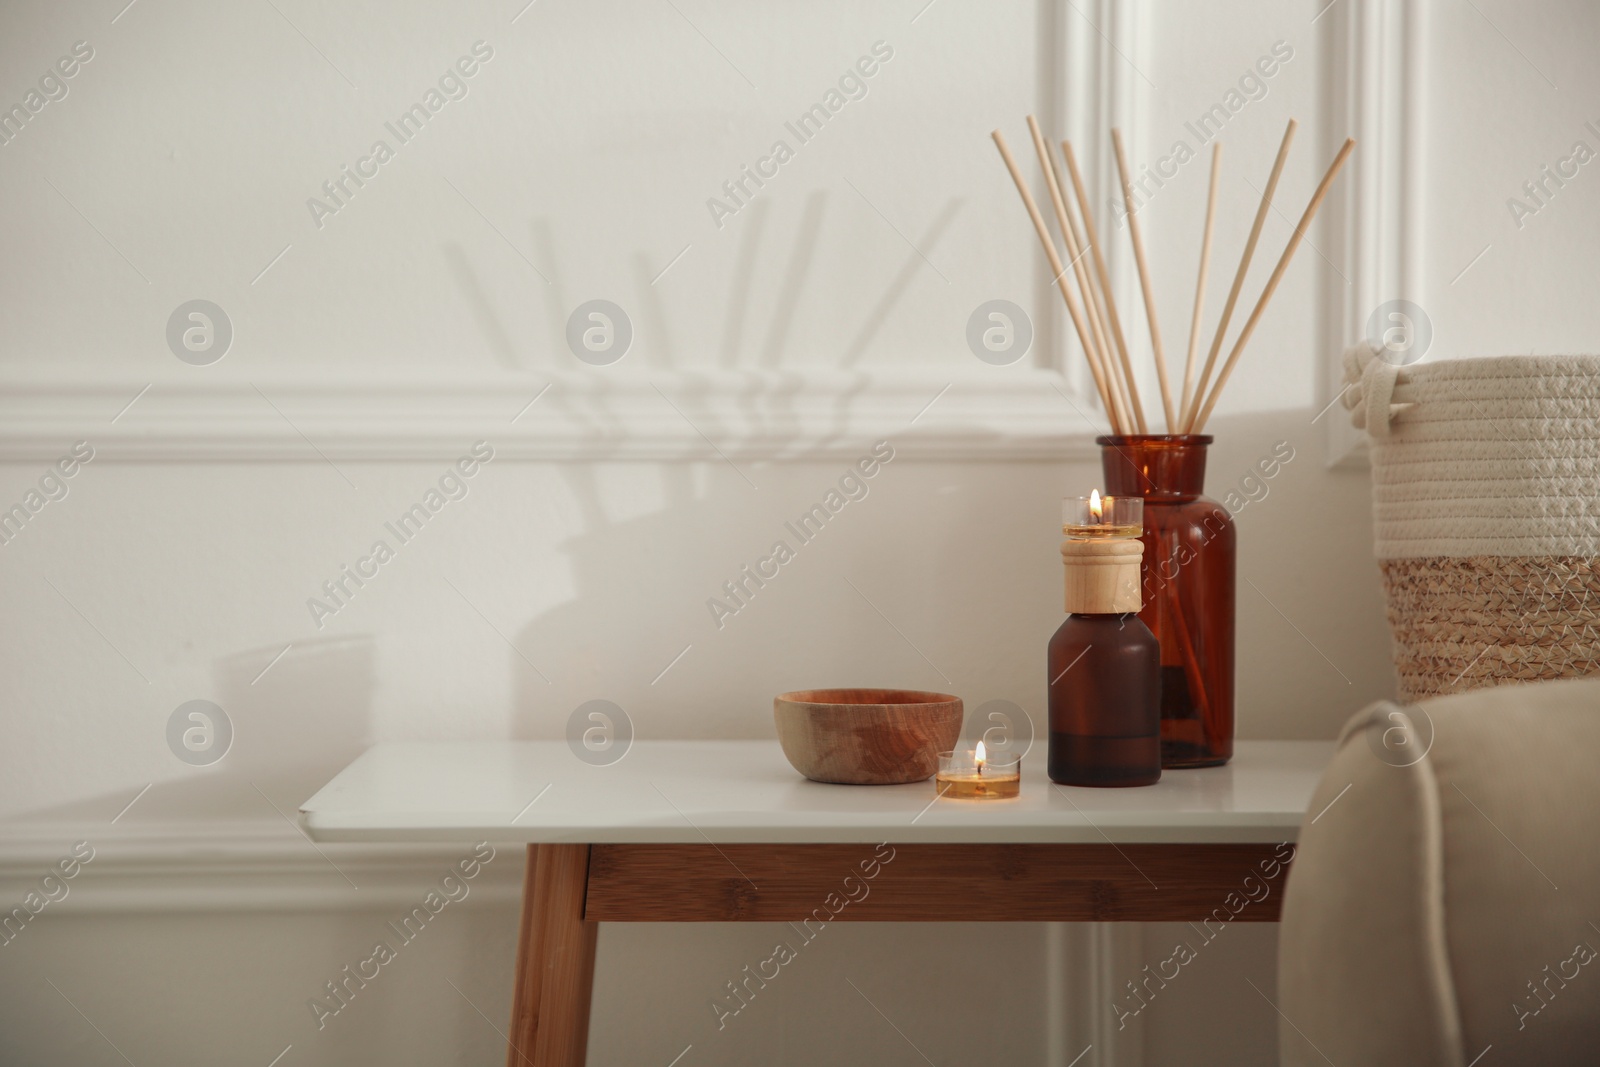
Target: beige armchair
1444,905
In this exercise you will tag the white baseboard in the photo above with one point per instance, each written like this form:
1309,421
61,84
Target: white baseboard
237,866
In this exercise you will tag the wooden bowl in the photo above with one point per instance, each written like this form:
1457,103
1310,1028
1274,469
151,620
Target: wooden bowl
866,736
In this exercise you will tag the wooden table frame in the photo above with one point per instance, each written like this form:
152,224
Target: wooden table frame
571,889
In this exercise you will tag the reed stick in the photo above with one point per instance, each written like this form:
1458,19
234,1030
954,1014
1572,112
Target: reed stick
1069,234
1186,652
1144,281
1060,276
1238,278
1277,275
1200,285
1093,238
1092,302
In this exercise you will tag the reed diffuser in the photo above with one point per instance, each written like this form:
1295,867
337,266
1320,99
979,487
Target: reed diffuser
1188,563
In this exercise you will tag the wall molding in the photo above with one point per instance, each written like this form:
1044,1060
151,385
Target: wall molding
1013,413
1042,409
1380,70
1375,89
238,865
1096,84
1085,964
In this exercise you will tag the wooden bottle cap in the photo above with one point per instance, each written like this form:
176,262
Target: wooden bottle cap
1102,576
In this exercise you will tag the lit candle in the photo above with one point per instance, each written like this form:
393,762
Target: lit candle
1098,518
975,774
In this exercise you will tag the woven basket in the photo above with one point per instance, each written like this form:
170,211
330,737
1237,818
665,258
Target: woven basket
1486,508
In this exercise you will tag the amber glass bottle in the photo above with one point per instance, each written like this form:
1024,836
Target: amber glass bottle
1188,584
1104,673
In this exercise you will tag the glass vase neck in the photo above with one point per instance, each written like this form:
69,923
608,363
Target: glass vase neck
1161,468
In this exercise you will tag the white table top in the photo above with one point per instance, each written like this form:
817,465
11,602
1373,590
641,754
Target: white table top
691,792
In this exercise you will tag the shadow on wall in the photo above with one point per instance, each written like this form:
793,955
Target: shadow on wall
668,551
735,350
637,630
295,724
1313,644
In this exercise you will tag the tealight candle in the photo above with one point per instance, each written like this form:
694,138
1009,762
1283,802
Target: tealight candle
972,774
1098,518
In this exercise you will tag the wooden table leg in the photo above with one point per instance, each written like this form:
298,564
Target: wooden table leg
555,961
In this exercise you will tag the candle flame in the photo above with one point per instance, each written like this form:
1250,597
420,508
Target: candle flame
980,755
1094,506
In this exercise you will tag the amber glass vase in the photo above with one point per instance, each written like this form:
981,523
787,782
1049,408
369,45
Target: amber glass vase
1188,573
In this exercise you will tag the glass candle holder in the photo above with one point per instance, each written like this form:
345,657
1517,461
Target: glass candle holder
1095,517
969,774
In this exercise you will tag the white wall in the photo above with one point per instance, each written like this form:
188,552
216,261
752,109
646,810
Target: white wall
180,563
